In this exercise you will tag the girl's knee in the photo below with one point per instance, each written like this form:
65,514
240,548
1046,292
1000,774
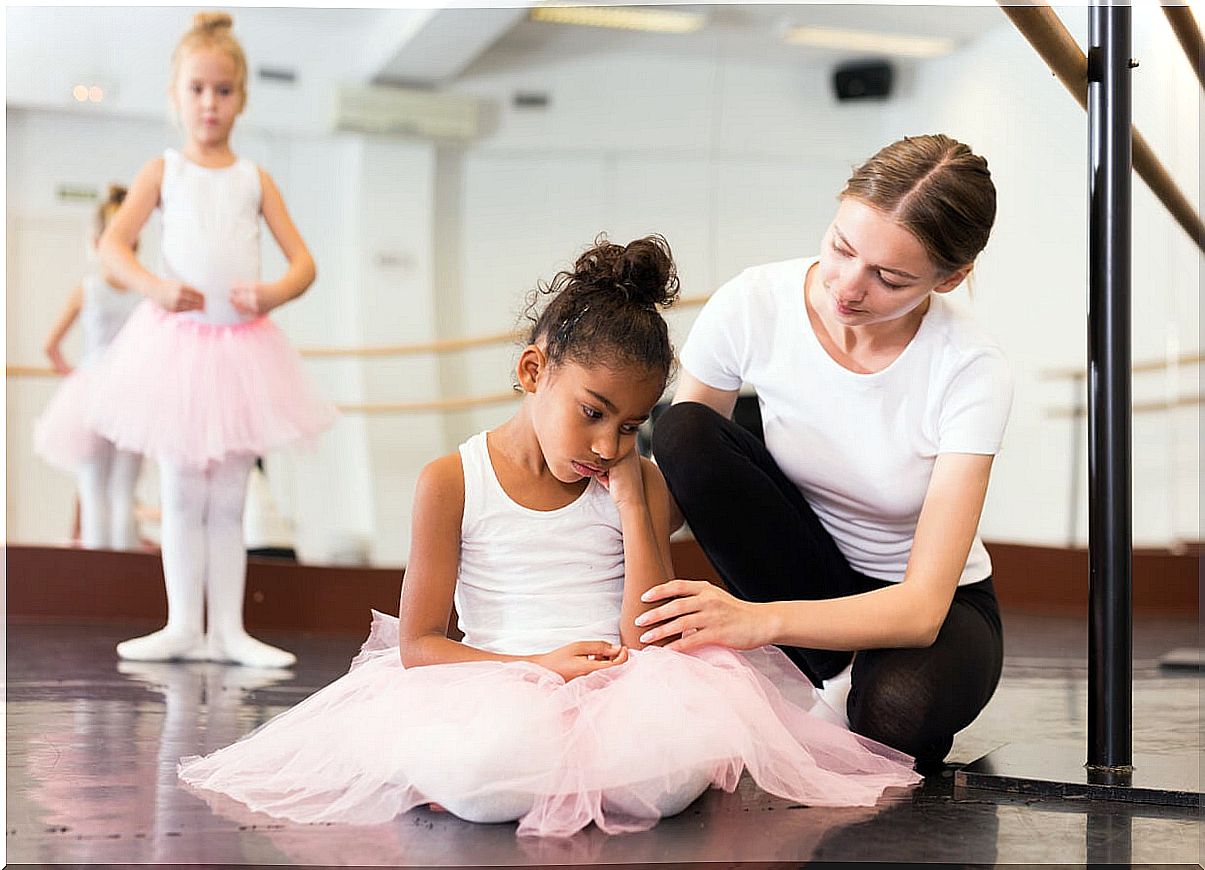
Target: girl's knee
488,808
185,500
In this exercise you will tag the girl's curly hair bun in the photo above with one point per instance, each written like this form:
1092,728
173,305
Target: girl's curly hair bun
643,271
604,309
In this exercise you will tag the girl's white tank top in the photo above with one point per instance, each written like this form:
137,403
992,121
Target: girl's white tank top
210,230
530,581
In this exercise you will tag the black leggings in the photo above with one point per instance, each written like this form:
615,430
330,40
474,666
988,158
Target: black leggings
768,545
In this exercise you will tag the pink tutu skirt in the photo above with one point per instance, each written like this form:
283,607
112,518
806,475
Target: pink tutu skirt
61,434
192,393
500,741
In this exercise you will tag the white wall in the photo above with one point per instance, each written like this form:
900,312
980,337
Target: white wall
733,162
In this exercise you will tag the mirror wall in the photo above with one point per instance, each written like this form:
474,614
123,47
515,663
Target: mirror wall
727,139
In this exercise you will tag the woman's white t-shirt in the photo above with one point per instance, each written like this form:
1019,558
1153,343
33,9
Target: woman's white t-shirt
860,447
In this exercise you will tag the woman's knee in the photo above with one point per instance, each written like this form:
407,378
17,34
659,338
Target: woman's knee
889,714
684,430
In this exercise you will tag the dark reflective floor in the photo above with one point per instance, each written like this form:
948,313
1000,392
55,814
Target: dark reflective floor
93,744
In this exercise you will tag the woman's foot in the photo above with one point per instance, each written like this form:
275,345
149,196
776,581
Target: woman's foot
164,645
242,649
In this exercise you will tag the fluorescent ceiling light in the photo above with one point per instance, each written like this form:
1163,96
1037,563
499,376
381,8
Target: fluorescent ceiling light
621,17
870,42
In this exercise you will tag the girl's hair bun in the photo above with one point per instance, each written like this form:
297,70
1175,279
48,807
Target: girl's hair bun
212,21
642,270
114,197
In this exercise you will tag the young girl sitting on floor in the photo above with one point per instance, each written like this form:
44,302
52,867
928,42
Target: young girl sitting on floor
545,532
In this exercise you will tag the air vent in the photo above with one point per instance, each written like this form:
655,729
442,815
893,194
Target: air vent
531,100
406,112
278,74
76,193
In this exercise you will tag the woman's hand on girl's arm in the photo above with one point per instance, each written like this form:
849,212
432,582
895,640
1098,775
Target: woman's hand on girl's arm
905,614
71,310
430,582
301,271
698,613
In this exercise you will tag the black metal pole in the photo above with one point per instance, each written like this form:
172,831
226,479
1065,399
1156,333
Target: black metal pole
1110,701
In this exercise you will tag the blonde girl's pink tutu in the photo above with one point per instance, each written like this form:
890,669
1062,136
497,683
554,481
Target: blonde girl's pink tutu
61,434
495,741
189,392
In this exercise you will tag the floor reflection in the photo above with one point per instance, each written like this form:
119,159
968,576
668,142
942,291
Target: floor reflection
93,746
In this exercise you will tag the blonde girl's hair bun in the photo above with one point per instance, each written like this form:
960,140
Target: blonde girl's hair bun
116,194
212,21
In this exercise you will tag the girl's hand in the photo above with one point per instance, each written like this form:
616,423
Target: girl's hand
177,296
57,362
702,614
624,480
253,298
581,658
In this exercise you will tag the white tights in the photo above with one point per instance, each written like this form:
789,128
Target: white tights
106,498
204,560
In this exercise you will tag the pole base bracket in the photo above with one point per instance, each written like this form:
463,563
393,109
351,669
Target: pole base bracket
1051,770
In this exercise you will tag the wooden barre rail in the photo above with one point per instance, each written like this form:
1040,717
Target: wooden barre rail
1136,407
448,345
1151,365
1041,26
456,403
1184,25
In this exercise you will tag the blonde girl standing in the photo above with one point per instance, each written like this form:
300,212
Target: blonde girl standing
201,379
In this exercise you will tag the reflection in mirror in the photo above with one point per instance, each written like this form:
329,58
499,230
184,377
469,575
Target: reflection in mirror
435,181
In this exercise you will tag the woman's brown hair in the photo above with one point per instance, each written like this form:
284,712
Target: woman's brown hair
935,187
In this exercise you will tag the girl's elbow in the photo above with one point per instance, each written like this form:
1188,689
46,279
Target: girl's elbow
309,273
631,640
410,651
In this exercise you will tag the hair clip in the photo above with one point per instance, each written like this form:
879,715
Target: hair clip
567,325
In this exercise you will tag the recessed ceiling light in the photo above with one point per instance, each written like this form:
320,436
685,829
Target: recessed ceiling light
80,92
657,20
96,93
870,41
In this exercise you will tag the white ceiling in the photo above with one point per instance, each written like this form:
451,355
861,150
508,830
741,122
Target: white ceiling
127,48
754,31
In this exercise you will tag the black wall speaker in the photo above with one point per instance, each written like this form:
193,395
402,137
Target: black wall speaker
862,81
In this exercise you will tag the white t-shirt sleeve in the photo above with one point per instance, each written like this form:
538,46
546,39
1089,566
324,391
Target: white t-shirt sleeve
975,406
715,351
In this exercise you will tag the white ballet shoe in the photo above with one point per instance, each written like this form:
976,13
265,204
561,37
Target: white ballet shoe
241,648
833,697
164,645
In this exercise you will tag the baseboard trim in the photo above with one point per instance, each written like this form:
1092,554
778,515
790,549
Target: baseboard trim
51,583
